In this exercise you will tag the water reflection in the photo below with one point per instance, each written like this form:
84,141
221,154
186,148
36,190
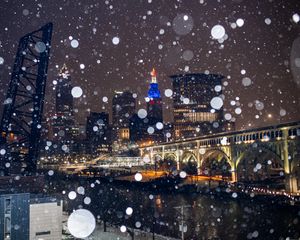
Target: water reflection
209,217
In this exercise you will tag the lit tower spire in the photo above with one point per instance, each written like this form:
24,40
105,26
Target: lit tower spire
153,90
153,76
64,72
154,105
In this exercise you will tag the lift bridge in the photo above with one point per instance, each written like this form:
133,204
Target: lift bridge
23,105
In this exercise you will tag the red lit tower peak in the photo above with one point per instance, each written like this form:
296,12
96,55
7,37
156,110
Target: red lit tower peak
153,76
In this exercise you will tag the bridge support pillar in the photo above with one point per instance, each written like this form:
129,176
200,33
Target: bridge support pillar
141,152
291,184
233,175
152,160
199,163
290,180
178,156
233,157
198,158
286,162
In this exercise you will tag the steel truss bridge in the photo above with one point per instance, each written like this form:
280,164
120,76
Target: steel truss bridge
250,155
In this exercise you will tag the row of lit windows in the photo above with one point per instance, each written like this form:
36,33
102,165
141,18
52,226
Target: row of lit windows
195,117
200,117
181,108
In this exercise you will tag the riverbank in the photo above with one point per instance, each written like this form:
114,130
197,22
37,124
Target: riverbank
161,183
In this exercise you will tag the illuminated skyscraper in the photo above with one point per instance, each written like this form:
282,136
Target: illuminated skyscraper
63,121
64,98
193,114
154,105
123,107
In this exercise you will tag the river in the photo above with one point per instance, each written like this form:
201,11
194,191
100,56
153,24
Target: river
206,216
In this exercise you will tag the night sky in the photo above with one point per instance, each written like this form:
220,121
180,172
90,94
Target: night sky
175,38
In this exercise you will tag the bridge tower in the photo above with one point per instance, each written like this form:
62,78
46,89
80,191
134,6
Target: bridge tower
23,107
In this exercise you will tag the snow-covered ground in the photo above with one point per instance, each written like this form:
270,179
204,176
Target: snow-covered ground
112,233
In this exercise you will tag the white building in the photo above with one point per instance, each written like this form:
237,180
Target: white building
45,219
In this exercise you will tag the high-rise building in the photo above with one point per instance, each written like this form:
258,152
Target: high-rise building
193,114
154,125
154,104
64,129
63,96
138,129
123,107
149,129
98,132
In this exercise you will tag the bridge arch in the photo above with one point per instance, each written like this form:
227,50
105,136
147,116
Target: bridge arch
158,156
189,156
171,156
169,162
258,163
189,162
214,152
215,162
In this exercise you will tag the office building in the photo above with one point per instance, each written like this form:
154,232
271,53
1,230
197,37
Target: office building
64,129
98,133
154,104
193,114
45,218
123,108
63,96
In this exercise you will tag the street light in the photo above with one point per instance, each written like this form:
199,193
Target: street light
182,226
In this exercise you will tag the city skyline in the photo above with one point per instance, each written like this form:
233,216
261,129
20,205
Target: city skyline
115,59
204,136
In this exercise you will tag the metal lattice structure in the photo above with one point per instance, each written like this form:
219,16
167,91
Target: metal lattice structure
23,106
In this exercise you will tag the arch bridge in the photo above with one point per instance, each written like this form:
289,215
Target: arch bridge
258,154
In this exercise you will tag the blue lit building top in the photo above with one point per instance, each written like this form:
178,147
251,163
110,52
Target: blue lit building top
153,92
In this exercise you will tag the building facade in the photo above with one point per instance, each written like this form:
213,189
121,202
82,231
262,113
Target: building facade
30,217
193,114
45,219
14,216
149,129
123,107
64,128
154,103
98,133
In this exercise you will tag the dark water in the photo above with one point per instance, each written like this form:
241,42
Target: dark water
209,217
